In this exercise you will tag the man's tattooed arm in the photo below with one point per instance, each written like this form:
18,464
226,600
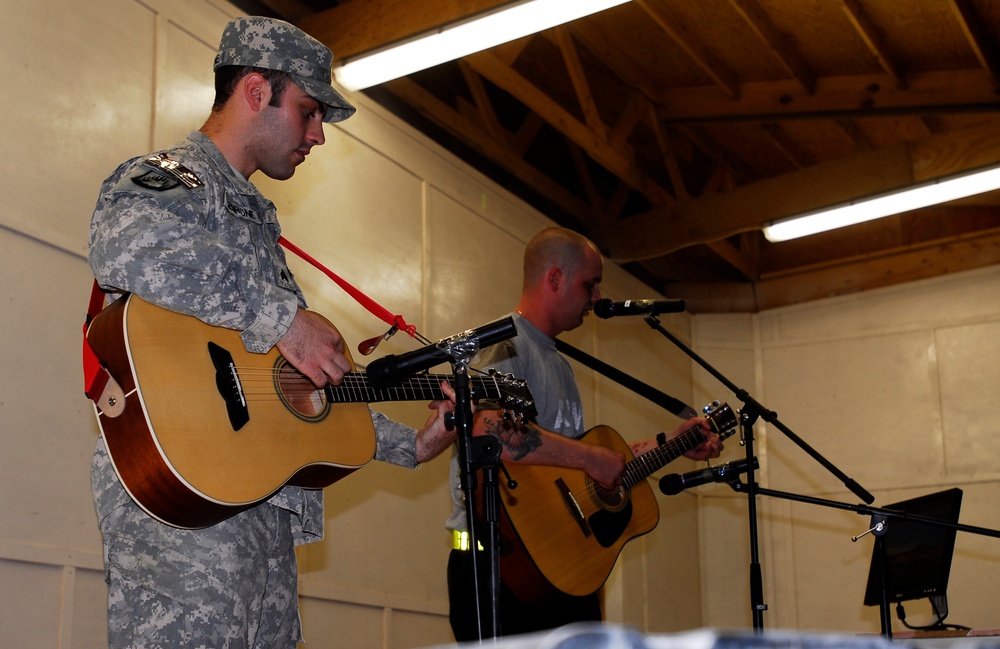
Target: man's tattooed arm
519,440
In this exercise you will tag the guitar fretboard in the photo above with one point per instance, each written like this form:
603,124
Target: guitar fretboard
646,464
356,388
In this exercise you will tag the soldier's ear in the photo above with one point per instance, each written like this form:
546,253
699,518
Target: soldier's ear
256,91
554,278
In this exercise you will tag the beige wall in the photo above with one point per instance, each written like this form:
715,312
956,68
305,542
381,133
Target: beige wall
91,83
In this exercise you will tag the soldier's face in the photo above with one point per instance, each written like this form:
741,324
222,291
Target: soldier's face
580,290
288,132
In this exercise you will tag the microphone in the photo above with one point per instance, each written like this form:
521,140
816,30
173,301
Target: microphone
672,483
608,309
391,369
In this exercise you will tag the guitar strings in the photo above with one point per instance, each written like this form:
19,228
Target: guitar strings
661,455
263,383
633,474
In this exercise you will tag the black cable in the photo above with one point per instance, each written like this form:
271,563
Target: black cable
936,626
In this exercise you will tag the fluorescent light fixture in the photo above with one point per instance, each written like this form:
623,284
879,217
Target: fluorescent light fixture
461,38
941,190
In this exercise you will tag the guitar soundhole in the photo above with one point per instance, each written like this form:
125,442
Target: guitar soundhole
298,393
613,500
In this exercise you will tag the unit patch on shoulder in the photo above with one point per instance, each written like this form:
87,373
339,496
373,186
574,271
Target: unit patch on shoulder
156,181
172,169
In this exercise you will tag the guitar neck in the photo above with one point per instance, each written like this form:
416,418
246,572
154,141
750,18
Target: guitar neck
648,463
355,388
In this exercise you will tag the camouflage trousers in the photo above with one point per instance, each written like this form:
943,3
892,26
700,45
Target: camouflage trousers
232,585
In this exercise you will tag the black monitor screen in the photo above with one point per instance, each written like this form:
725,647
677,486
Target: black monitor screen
918,554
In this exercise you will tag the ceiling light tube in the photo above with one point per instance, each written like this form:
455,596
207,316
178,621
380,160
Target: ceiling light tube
940,190
461,38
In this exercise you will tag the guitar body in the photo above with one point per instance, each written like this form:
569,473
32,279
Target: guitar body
561,531
175,445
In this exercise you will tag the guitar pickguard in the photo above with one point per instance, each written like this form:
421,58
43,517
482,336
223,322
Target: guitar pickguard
608,526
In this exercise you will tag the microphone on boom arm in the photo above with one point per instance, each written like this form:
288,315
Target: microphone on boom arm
608,309
673,483
391,369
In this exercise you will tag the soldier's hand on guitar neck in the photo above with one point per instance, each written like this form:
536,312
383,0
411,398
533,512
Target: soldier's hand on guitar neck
314,347
436,436
710,448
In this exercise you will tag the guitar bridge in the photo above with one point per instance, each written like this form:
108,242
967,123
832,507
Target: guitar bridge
227,380
573,506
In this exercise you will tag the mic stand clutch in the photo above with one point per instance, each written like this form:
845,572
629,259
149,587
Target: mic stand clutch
751,411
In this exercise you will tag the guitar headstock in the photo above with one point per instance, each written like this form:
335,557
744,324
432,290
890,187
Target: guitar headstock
722,418
515,397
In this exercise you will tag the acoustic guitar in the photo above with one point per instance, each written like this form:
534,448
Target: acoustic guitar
199,429
561,530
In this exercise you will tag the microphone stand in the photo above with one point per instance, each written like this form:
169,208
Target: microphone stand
749,414
475,453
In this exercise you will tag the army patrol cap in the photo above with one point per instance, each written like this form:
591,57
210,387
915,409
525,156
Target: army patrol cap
276,45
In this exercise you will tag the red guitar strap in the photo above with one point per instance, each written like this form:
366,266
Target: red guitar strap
396,322
95,379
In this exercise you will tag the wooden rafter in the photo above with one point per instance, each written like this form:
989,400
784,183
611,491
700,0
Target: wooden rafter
526,134
869,33
720,75
479,139
866,95
669,156
618,162
850,130
736,258
356,27
785,145
776,44
586,179
597,42
718,216
483,104
580,83
979,40
624,126
702,139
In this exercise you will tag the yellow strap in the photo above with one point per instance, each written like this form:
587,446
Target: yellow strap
460,540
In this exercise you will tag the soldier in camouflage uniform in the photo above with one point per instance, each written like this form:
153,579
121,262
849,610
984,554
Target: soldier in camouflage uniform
185,229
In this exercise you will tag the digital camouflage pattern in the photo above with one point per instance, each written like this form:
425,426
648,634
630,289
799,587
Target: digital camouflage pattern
233,585
210,249
276,45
